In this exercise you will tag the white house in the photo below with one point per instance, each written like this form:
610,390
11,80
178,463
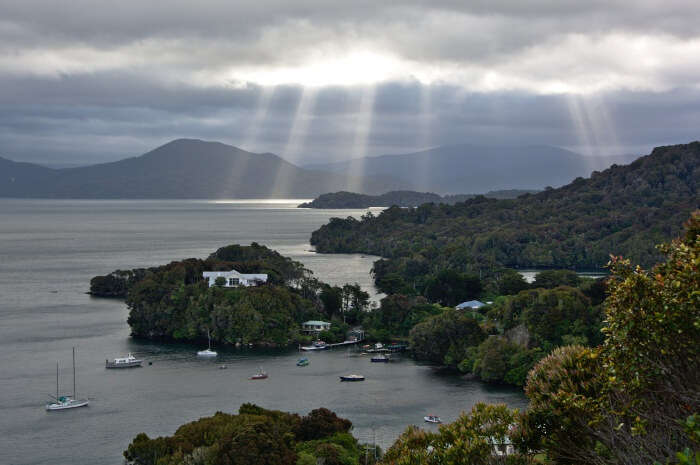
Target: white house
234,278
471,304
315,326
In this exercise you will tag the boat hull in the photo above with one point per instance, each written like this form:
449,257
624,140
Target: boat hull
134,364
67,405
380,360
352,378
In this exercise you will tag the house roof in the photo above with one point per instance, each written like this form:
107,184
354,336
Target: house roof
234,274
316,323
470,304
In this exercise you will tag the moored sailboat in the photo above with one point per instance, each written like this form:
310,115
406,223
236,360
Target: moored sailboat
66,402
207,352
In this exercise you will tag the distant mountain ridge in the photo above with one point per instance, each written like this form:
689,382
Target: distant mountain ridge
478,169
399,198
183,168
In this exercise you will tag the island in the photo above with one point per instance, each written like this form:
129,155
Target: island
238,295
344,199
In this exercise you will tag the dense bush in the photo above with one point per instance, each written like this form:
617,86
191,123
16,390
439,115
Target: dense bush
253,437
622,210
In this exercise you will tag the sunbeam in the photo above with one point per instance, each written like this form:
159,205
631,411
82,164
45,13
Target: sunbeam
424,137
239,167
363,127
295,141
594,128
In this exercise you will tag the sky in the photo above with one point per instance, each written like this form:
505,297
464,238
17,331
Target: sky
89,81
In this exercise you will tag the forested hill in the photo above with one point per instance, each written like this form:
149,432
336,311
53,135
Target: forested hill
623,210
344,199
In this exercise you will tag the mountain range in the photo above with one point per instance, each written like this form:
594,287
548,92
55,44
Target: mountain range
457,169
190,168
183,168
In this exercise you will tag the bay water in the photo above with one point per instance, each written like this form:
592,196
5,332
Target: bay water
49,250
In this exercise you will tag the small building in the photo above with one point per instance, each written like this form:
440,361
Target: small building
234,279
315,326
471,304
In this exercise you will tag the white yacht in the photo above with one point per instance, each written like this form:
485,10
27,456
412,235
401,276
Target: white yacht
124,362
207,352
66,402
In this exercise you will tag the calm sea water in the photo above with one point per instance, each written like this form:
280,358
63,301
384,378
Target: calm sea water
49,250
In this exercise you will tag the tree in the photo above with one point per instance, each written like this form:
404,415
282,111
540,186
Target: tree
445,338
467,441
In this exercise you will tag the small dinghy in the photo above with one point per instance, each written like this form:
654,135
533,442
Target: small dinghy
302,362
432,419
352,378
260,374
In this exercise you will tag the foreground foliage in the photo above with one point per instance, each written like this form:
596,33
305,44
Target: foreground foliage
255,436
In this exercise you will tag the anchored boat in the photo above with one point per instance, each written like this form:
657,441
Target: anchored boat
432,419
318,345
380,359
207,352
260,375
66,402
124,362
352,378
302,362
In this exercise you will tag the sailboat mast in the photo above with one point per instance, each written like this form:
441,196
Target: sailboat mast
73,372
56,381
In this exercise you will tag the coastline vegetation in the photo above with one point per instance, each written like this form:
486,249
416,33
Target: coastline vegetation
633,399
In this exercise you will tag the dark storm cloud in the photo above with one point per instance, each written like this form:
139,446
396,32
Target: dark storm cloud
88,81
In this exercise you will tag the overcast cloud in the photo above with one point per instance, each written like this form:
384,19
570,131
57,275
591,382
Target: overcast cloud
88,81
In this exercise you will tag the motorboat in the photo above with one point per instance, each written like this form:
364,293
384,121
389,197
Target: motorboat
432,419
352,378
318,345
381,358
124,362
207,352
66,402
302,362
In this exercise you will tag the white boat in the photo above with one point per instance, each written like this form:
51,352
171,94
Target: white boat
318,345
432,419
66,402
207,352
124,362
352,378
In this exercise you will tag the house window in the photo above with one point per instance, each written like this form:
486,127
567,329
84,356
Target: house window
233,281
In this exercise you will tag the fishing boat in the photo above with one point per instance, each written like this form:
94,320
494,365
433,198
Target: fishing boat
66,402
432,419
381,358
352,378
207,352
318,345
302,362
124,362
260,374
